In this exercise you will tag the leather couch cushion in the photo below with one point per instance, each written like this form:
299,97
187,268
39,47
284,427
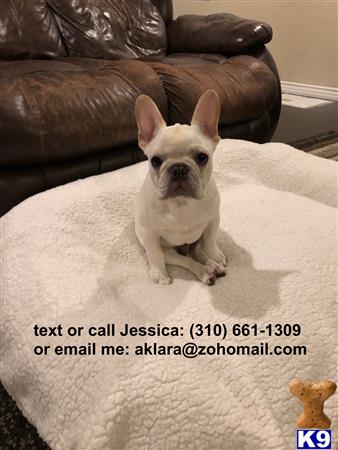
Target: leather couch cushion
28,30
111,28
246,86
216,33
18,183
59,110
179,59
166,9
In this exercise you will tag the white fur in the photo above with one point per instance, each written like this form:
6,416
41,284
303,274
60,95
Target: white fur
170,222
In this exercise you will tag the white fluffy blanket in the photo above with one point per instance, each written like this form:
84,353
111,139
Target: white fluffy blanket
70,257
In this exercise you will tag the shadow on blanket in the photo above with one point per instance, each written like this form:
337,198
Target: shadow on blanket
246,292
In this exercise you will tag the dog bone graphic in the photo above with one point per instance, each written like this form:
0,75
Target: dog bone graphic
313,396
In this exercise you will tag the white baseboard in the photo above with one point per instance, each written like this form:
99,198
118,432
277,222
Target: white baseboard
310,90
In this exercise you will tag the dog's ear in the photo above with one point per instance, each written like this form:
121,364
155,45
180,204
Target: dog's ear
206,115
149,120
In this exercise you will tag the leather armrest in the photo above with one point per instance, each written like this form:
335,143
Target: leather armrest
216,33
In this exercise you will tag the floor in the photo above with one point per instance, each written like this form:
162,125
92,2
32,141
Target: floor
302,117
329,151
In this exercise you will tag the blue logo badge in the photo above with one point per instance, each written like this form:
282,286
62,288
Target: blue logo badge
314,439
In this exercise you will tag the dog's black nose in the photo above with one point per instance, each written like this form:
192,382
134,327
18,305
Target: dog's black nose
179,171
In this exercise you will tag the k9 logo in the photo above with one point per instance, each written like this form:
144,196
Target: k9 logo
314,439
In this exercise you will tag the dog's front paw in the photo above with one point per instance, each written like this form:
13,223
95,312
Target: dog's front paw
217,256
218,268
158,277
208,275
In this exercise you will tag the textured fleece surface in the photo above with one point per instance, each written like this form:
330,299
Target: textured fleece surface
70,257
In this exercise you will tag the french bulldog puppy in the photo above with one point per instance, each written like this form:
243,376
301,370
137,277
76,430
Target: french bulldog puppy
177,214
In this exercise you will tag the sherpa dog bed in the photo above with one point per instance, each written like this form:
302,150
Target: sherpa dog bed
70,257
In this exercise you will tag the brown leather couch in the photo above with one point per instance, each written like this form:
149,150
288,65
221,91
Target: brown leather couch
70,71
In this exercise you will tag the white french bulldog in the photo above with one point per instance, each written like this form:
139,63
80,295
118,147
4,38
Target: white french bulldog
177,216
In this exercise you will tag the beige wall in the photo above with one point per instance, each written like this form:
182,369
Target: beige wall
305,34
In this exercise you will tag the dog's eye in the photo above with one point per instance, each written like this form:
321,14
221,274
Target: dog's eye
156,161
202,158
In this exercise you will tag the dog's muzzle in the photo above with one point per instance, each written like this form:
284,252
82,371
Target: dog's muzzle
179,171
180,179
